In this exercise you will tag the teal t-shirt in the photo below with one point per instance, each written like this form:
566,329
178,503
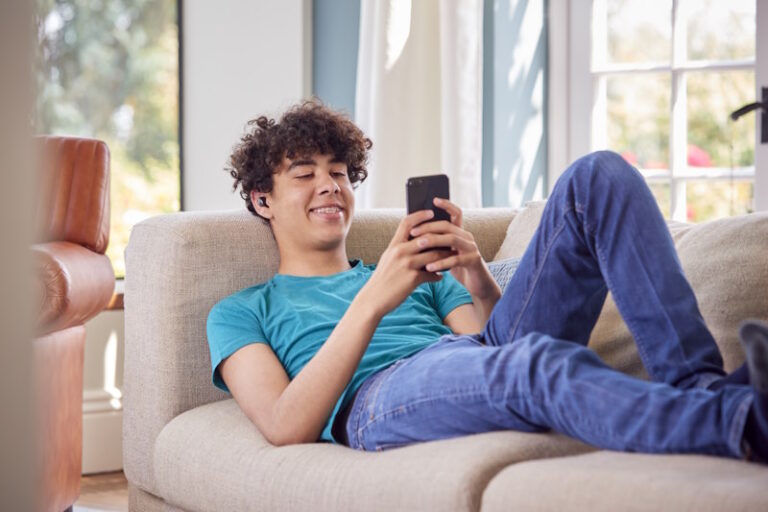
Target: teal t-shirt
295,315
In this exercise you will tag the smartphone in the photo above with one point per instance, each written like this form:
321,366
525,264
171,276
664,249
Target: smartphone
420,193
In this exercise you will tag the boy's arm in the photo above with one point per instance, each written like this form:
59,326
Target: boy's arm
464,320
288,412
295,411
482,306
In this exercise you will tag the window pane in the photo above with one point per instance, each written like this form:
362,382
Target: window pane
638,118
109,70
713,139
638,31
661,193
714,199
719,30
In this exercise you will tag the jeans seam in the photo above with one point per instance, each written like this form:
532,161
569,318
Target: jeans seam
363,408
370,397
621,306
470,392
589,229
736,433
619,302
640,340
559,229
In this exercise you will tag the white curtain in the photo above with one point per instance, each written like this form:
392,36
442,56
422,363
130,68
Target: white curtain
419,96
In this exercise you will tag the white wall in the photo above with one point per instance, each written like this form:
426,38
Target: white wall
241,58
102,392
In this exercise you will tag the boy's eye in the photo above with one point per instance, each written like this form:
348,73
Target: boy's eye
303,176
340,173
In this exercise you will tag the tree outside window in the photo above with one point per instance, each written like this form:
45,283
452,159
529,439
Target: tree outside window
110,70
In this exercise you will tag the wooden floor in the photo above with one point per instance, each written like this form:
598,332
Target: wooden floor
103,492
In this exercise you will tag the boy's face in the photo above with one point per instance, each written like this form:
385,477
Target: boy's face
311,203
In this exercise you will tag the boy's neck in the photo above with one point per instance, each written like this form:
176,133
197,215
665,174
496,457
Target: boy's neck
320,263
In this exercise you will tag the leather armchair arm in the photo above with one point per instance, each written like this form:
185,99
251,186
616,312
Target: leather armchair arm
73,283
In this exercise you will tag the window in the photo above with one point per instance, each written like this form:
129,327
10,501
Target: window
657,81
109,70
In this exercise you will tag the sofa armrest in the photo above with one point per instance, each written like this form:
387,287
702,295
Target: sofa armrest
177,267
74,284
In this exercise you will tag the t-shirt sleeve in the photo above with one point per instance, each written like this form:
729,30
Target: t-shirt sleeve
449,294
231,326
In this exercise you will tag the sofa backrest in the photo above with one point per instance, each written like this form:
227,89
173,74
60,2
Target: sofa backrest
177,267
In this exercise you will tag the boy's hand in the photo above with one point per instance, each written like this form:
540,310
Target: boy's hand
464,261
400,268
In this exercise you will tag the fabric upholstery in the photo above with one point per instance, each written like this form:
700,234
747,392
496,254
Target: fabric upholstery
372,230
178,266
74,202
232,467
730,285
609,481
141,501
503,270
520,231
75,284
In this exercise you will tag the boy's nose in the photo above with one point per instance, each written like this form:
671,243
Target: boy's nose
328,184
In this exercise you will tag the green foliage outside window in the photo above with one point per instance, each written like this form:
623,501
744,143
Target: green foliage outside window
640,105
109,70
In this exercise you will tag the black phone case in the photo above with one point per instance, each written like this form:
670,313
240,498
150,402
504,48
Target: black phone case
421,190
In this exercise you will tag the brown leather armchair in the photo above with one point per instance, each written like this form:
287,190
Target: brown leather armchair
75,281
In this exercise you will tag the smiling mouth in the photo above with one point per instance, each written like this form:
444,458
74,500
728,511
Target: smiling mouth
327,210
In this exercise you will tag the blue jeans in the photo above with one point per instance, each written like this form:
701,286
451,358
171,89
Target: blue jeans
530,370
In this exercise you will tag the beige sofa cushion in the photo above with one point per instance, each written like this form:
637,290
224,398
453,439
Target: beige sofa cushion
520,231
609,481
726,262
213,459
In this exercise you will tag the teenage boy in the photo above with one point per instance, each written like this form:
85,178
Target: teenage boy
378,356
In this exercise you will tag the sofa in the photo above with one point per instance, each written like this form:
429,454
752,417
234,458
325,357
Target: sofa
187,446
74,281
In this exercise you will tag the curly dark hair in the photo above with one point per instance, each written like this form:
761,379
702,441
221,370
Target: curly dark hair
306,129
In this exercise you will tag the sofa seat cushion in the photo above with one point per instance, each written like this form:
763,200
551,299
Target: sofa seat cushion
608,481
213,458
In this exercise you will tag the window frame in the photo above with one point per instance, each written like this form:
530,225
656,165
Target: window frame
575,96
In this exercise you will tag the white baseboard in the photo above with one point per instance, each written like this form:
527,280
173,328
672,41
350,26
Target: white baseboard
102,431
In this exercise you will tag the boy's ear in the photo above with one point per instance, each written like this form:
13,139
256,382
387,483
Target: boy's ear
260,204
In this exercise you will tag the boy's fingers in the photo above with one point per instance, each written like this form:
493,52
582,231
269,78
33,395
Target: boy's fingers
445,264
409,222
441,227
450,240
422,259
453,210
